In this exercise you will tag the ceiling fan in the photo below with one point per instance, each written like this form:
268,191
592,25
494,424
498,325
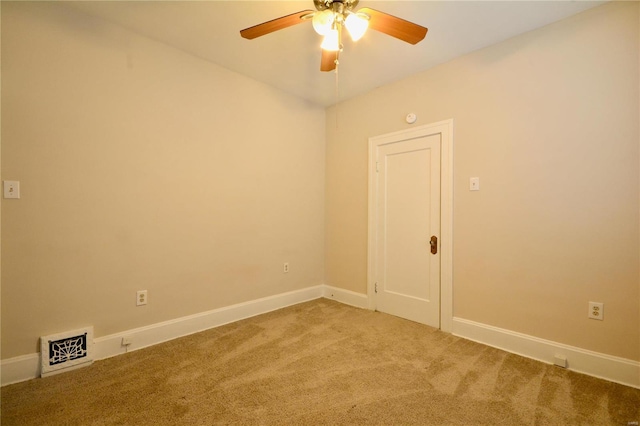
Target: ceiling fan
331,16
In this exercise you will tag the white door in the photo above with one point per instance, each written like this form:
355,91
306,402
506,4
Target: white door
407,228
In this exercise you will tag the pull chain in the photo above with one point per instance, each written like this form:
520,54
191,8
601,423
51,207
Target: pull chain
337,88
337,62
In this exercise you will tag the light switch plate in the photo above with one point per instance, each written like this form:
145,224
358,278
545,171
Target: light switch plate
11,189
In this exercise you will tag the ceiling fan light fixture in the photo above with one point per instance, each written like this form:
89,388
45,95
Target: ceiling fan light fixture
331,41
323,21
331,17
357,24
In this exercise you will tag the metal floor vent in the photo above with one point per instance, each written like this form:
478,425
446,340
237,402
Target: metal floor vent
66,351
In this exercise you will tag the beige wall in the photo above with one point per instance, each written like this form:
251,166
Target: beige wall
142,167
549,122
146,168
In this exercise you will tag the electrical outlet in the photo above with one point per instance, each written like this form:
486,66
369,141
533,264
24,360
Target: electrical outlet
596,310
285,267
474,184
141,297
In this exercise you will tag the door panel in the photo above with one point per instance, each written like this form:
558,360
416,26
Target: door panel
407,222
408,214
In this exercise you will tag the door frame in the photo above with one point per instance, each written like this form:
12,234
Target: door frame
445,129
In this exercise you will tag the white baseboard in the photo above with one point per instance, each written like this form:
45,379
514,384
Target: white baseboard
108,346
19,369
347,297
604,366
611,368
27,367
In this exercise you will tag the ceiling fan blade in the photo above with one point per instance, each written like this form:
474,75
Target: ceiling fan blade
395,27
274,25
328,62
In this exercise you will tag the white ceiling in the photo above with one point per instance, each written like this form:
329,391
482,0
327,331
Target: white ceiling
290,59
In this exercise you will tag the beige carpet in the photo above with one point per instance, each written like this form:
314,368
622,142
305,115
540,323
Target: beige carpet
320,362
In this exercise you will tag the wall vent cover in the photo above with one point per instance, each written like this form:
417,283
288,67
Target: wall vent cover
66,351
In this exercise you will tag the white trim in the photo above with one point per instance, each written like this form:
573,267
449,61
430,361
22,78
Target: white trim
20,368
446,227
371,220
603,366
27,367
607,367
108,346
347,297
445,128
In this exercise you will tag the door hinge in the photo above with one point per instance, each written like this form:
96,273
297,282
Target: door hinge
376,287
377,167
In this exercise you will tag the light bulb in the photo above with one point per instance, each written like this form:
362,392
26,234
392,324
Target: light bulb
322,21
356,25
331,41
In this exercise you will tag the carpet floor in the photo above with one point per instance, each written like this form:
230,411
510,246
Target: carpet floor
319,363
